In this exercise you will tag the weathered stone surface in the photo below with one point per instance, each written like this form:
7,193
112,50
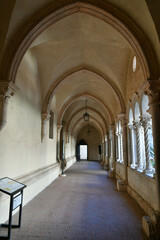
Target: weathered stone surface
111,173
121,185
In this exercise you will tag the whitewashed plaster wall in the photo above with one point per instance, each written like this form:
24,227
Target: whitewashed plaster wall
23,156
134,79
20,141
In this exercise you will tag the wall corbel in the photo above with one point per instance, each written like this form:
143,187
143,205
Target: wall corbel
7,90
45,117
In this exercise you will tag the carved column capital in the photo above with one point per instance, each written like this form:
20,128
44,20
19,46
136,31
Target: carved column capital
45,116
116,133
153,92
59,127
131,127
137,124
121,116
154,86
7,90
146,121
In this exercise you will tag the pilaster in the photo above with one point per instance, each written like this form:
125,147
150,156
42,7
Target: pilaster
111,152
44,119
59,127
67,137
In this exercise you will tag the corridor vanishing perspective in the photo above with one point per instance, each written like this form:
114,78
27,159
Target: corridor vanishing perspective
86,206
80,82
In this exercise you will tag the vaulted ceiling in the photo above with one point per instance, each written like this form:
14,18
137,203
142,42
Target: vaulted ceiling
83,57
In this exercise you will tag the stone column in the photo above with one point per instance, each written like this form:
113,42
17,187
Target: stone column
133,163
146,124
102,152
117,146
59,127
137,125
7,90
111,157
111,153
121,146
122,183
106,154
155,112
45,117
124,147
129,146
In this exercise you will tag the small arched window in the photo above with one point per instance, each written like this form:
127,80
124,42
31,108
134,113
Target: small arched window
134,64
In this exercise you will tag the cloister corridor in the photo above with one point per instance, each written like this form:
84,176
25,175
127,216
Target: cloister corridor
84,205
80,94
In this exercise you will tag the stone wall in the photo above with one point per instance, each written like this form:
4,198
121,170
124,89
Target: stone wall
144,186
23,156
140,186
120,171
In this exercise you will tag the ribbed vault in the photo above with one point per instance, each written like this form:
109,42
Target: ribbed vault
84,53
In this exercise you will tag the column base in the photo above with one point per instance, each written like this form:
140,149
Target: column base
102,162
62,175
105,166
151,226
149,171
111,173
140,169
134,166
121,185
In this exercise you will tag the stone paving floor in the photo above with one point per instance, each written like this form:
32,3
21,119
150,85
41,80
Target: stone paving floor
84,205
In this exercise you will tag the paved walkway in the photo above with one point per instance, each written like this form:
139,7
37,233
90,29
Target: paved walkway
84,205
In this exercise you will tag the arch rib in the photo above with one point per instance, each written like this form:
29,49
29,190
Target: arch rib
73,99
60,9
65,76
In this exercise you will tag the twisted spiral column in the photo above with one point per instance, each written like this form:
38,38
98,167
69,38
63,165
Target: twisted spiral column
131,128
138,136
117,147
145,123
121,147
111,138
